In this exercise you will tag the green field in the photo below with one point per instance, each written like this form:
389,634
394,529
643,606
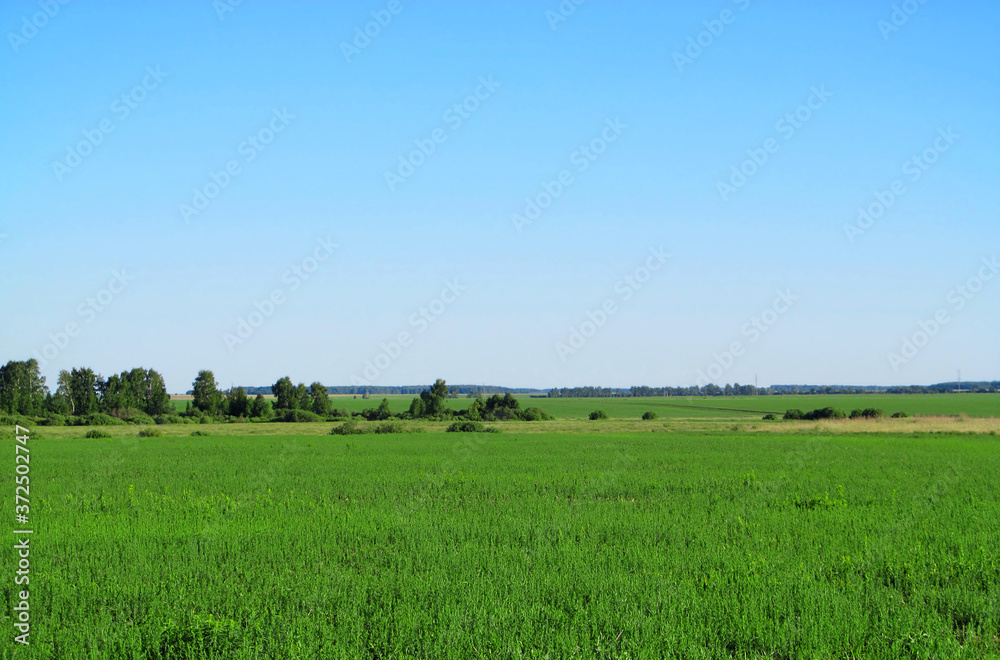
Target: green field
511,545
744,407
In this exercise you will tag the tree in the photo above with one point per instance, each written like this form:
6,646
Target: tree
156,398
83,388
319,399
22,388
261,408
207,397
301,397
285,393
434,399
238,403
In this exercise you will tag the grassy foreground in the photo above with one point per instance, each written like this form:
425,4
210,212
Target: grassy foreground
432,545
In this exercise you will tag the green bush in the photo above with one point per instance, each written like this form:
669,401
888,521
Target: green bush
134,416
471,427
170,419
99,419
873,413
389,427
856,413
794,413
535,414
899,415
200,433
350,427
770,416
52,419
599,414
150,433
96,433
649,414
301,416
825,413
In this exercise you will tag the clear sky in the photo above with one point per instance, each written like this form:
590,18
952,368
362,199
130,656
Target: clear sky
421,151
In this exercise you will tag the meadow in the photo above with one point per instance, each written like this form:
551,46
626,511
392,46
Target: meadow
674,543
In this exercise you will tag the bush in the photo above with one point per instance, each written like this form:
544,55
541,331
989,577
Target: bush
873,413
649,414
899,415
599,414
133,416
390,427
99,419
471,427
349,427
200,433
825,413
535,414
170,419
150,433
856,413
338,414
301,416
96,433
794,413
770,416
52,419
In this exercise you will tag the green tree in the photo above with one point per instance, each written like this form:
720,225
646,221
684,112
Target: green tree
22,388
83,388
238,403
207,397
434,399
319,399
302,397
284,392
261,408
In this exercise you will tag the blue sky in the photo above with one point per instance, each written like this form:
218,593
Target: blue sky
311,127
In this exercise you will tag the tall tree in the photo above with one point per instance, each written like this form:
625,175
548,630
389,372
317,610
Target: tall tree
207,397
284,391
22,388
320,399
84,385
239,404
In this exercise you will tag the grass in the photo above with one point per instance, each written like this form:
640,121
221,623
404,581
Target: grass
711,544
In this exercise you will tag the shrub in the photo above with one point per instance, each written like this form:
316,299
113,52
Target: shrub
794,413
200,433
350,427
390,427
338,414
899,415
599,414
649,414
133,416
872,413
301,416
150,433
856,413
99,419
96,433
169,419
52,419
825,413
535,414
770,416
471,427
